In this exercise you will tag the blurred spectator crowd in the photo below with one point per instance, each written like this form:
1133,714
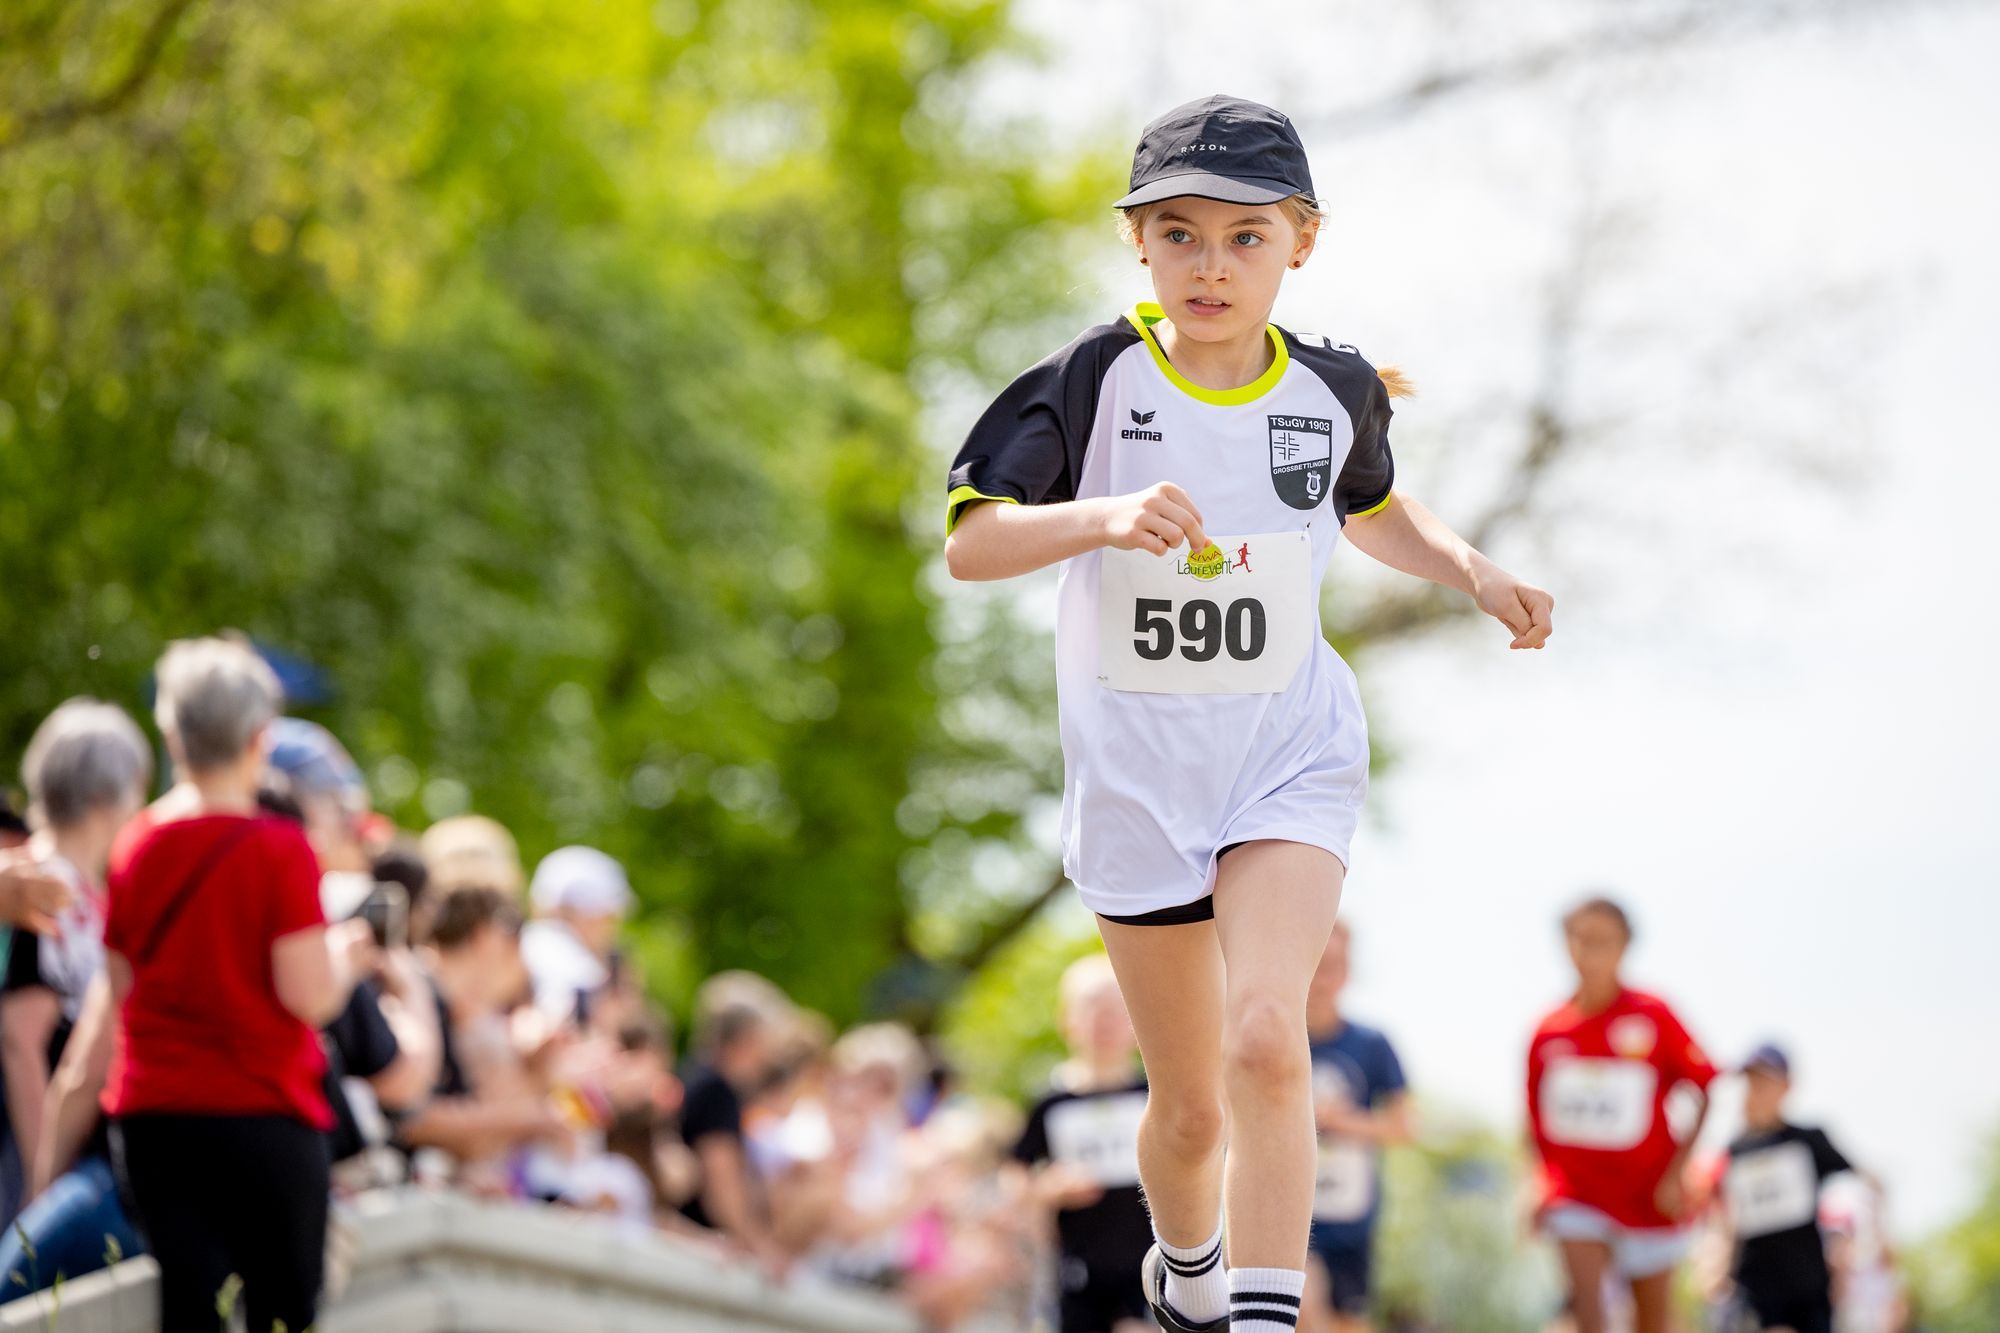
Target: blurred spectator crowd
496,1040
240,992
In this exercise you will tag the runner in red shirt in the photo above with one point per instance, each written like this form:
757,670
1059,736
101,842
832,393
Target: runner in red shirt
1600,1069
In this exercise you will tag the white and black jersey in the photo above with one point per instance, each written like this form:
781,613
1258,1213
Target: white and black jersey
1772,1187
1201,706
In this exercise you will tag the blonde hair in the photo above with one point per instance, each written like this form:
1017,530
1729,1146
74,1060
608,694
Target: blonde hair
1086,974
1305,215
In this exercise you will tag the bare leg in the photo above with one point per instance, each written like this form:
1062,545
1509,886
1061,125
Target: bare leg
1171,977
1653,1302
1274,908
1316,1305
1586,1262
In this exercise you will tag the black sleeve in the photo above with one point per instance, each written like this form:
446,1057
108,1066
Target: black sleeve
1033,1147
1027,447
1827,1159
711,1108
367,1045
24,962
1370,471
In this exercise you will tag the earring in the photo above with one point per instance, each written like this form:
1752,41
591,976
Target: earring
1142,261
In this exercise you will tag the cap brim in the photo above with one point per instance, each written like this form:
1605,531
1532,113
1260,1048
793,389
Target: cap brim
1208,185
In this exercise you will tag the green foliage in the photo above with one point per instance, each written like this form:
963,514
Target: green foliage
1001,1029
1451,1249
540,371
1958,1273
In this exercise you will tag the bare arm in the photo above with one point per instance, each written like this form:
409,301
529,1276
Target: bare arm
1671,1193
313,972
406,1007
1408,537
30,897
472,1128
994,540
28,1018
71,1110
725,1192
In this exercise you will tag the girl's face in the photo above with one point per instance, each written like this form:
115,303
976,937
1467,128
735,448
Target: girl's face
1217,266
1597,947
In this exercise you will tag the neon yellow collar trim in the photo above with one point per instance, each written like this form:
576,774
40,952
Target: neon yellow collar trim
1148,313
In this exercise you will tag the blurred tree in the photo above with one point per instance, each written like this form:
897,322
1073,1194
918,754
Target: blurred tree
537,372
1452,1252
1958,1274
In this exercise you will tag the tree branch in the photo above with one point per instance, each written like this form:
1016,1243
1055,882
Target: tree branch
65,112
1518,69
996,933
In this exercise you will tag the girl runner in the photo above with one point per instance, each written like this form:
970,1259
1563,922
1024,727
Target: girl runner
1600,1069
1191,467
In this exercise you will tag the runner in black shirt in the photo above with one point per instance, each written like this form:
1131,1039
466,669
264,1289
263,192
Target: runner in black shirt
1770,1189
1082,1141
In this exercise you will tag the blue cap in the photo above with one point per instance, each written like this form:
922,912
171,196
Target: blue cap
316,763
1770,1057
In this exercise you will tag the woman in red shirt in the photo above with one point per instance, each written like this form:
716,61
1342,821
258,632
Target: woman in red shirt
223,970
1600,1069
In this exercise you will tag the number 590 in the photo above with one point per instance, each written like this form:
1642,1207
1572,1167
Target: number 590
1205,629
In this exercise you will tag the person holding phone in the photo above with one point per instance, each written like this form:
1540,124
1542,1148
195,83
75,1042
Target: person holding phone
383,1048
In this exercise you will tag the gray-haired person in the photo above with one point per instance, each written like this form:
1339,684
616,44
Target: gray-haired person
223,969
86,771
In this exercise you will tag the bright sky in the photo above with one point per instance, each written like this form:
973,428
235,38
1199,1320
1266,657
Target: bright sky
1762,723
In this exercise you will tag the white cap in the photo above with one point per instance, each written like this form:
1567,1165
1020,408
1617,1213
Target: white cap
582,879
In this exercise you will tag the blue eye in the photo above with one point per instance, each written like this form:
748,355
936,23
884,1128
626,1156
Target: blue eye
1248,238
1178,236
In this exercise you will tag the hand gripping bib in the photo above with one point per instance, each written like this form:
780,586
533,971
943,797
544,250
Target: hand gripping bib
1237,620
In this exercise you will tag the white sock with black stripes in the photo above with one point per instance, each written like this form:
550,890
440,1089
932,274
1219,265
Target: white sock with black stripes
1197,1283
1265,1300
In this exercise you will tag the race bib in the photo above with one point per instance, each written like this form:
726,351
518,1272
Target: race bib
1233,620
1772,1189
1344,1185
1597,1102
1099,1136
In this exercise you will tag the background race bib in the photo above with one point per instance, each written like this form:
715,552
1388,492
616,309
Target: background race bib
1237,624
1344,1185
1772,1189
1597,1102
1099,1136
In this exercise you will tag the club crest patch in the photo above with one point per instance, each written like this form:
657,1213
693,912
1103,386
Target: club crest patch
1301,459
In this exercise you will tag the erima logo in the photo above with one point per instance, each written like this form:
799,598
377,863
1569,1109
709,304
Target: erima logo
1141,419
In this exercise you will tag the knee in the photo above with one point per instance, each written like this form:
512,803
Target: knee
1264,1044
1187,1125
